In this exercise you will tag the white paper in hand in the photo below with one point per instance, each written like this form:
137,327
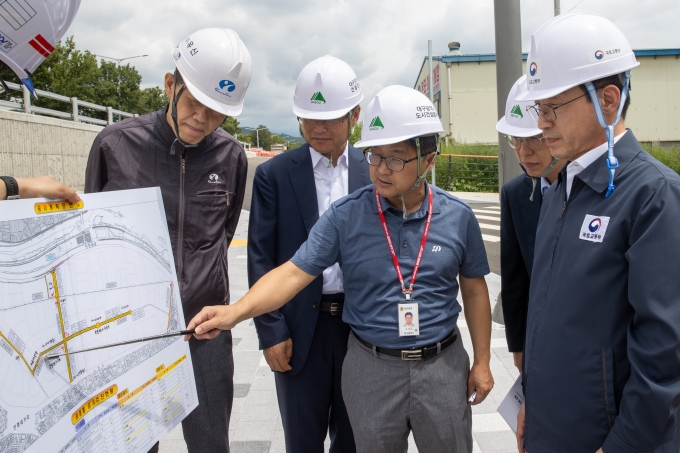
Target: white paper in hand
511,404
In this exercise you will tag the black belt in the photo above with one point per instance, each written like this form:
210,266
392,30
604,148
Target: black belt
423,353
332,303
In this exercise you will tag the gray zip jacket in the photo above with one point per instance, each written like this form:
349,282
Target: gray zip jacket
202,189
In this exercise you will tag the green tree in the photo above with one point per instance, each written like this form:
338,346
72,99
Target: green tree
260,137
68,72
267,138
118,87
74,73
231,125
151,100
292,144
356,134
246,138
275,140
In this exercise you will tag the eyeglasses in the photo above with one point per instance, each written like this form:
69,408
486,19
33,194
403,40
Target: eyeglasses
393,163
547,110
327,124
533,143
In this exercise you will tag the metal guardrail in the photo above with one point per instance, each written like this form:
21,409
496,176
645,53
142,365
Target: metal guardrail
467,173
24,105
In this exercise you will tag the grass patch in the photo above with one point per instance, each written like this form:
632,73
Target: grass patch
481,175
468,174
670,157
474,149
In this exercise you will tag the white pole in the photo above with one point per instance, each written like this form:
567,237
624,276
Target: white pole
74,108
27,99
448,78
557,8
430,86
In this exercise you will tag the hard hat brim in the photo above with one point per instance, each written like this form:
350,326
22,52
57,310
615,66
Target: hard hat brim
224,109
539,95
331,115
389,141
504,128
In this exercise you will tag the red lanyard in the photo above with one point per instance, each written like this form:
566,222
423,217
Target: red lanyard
395,260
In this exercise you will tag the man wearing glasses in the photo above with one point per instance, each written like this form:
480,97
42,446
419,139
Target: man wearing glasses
602,351
305,342
403,247
520,209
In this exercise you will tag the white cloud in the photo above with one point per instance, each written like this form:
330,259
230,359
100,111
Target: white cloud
384,41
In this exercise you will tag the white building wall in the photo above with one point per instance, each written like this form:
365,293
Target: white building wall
32,145
654,112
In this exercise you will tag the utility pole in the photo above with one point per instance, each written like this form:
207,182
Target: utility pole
257,134
430,85
508,69
557,8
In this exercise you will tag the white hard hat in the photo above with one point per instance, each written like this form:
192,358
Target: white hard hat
398,113
517,121
327,88
216,68
29,33
572,49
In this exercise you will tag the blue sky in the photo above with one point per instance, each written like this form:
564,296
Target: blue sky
383,40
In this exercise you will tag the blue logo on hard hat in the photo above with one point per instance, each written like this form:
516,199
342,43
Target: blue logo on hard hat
595,225
228,84
599,54
533,69
226,87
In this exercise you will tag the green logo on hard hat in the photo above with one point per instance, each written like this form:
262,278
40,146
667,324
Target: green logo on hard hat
376,124
516,112
318,98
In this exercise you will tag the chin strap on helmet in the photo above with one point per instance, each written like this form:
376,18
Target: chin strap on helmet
612,161
420,176
173,112
535,180
350,129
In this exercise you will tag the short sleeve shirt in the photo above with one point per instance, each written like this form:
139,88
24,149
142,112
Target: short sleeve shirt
350,233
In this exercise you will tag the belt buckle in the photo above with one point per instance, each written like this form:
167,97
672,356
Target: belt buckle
336,308
412,354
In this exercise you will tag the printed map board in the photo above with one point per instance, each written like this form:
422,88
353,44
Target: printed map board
72,279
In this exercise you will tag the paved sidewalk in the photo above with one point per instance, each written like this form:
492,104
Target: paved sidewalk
256,423
477,197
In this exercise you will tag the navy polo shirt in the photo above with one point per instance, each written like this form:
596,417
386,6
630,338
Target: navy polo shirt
350,233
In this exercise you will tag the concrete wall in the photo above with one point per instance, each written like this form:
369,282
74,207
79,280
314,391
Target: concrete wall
32,145
654,114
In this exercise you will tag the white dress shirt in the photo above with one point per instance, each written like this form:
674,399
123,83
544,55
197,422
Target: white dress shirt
580,164
331,185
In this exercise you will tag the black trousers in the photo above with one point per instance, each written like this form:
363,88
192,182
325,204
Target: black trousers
206,429
311,401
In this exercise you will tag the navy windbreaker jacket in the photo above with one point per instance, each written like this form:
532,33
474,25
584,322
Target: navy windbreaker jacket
602,352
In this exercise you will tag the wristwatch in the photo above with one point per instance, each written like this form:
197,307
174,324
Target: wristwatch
12,187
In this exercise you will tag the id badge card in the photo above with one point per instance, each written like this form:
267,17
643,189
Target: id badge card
408,319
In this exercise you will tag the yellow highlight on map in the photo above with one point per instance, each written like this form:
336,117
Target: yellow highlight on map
50,207
93,402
